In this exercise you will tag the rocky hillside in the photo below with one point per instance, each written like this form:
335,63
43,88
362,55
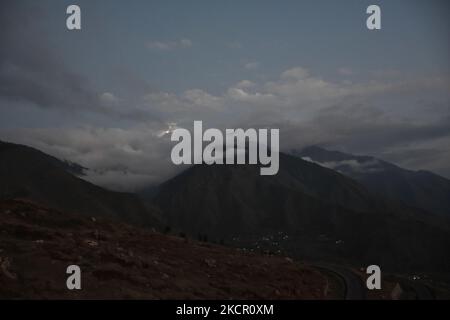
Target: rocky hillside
119,261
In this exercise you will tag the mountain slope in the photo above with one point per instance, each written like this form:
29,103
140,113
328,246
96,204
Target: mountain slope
420,189
325,214
28,173
237,197
119,261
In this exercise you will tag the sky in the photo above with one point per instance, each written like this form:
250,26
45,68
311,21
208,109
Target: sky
107,96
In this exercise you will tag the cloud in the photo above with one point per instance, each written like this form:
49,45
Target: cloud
386,73
130,147
234,45
117,158
345,71
252,65
296,73
122,133
31,71
354,166
430,154
201,98
37,77
169,45
311,110
296,86
238,94
243,84
108,99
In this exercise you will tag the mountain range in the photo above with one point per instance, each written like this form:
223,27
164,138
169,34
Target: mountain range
307,210
323,213
421,189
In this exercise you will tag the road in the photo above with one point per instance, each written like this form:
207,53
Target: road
422,291
354,286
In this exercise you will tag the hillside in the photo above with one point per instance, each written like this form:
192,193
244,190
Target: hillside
119,261
324,214
28,173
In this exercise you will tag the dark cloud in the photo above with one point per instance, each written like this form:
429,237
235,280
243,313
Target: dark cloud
30,70
363,129
370,130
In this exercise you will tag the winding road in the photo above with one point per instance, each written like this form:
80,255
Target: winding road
354,286
422,291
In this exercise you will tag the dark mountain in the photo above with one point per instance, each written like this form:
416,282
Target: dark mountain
421,189
28,173
324,214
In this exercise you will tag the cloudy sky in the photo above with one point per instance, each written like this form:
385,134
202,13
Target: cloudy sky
107,96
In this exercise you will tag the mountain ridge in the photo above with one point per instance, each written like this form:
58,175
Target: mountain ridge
422,189
325,214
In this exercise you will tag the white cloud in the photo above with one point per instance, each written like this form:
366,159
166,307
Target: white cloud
297,87
202,98
168,45
252,65
239,94
296,73
108,99
118,158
